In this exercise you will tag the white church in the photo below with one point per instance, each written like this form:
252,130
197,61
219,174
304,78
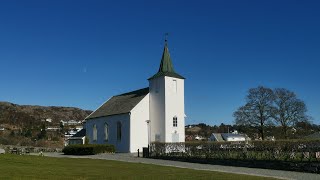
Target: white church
132,120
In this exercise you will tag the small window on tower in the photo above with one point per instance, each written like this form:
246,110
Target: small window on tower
175,121
175,86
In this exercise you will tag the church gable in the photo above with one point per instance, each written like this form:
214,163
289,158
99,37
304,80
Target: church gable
120,104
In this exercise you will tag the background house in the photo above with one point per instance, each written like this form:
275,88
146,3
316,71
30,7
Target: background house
78,138
228,137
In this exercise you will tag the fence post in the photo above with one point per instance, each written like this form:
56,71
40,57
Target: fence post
138,153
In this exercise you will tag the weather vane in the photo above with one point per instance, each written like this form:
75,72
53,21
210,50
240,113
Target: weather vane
166,37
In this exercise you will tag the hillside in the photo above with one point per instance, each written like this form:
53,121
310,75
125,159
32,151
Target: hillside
27,115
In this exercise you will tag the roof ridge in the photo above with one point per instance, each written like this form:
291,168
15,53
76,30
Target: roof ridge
131,92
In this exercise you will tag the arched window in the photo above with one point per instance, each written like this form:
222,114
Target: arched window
175,86
175,121
106,132
119,131
95,132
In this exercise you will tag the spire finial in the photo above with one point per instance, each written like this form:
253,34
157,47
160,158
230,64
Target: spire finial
166,38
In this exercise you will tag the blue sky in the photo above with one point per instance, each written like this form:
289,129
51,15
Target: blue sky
79,53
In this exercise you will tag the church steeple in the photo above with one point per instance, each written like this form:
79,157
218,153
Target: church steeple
166,63
166,66
166,102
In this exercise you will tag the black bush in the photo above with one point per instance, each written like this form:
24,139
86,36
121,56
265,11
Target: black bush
88,149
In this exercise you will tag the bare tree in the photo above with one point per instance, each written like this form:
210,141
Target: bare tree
289,110
258,109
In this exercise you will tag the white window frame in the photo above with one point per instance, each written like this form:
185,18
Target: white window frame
175,121
106,132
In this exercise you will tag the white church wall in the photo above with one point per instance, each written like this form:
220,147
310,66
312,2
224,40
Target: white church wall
139,127
167,102
157,109
174,101
122,145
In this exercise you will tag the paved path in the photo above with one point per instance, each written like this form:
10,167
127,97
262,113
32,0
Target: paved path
229,169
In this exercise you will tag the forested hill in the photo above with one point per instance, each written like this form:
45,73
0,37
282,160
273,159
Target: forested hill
26,115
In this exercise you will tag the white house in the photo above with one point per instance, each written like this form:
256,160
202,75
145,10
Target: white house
132,120
229,137
78,138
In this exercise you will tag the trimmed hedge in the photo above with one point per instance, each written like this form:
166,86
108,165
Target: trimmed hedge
88,149
293,155
293,151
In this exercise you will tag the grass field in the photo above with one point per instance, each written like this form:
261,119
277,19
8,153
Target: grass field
35,167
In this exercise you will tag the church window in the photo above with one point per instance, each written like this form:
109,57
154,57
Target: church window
157,86
175,86
106,132
95,132
175,121
119,131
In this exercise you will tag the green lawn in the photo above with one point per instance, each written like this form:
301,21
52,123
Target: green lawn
35,167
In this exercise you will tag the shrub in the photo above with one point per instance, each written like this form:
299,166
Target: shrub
293,155
55,138
88,149
298,150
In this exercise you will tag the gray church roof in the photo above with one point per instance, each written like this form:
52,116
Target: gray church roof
120,104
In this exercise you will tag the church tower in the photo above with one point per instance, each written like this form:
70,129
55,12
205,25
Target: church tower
167,114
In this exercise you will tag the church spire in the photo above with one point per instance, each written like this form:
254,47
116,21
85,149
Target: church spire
166,63
166,66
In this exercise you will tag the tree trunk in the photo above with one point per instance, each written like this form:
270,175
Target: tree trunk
262,126
262,132
285,129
